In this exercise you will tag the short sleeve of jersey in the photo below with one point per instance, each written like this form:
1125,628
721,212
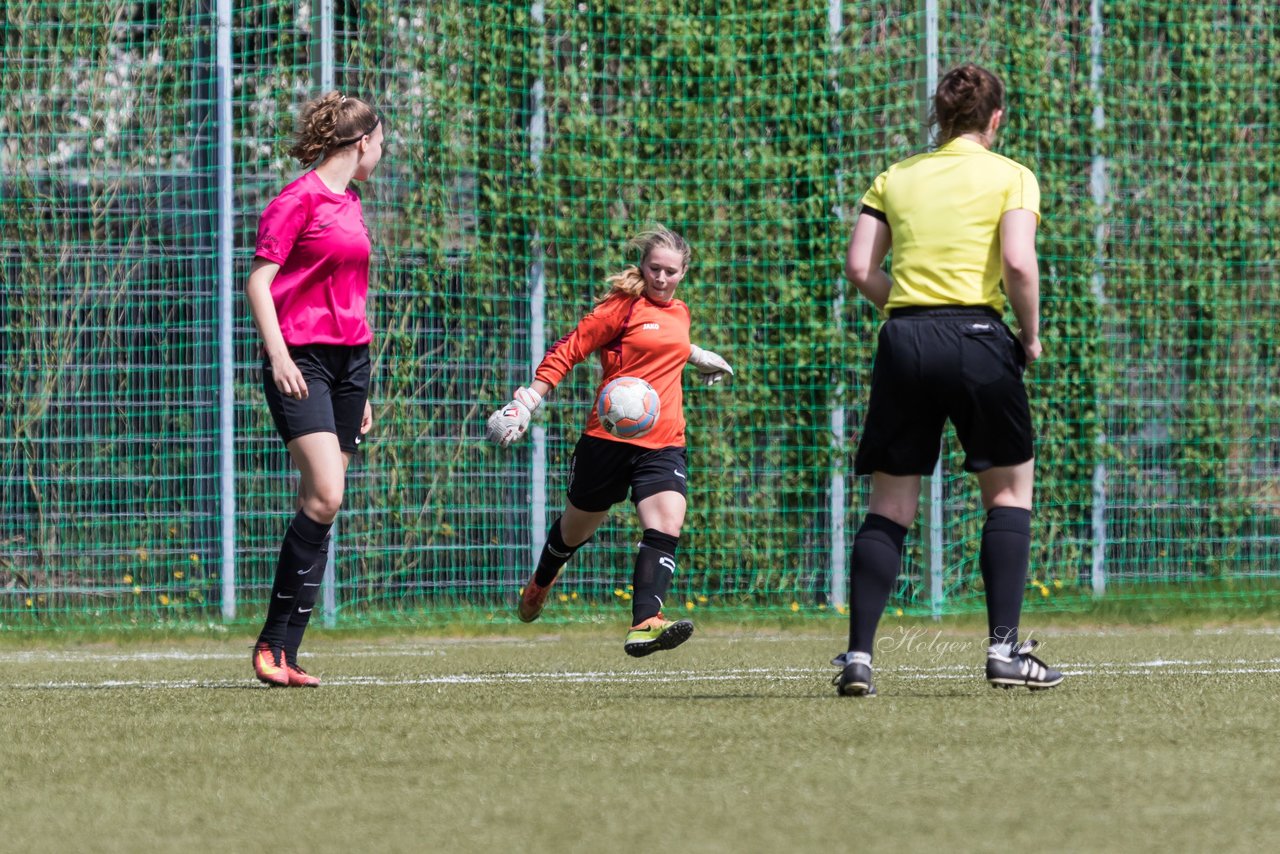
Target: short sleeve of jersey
874,197
279,227
1023,193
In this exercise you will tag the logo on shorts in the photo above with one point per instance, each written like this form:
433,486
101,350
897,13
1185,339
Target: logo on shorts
680,474
650,326
980,326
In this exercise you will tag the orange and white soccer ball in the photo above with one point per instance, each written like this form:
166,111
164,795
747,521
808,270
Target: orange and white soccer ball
628,407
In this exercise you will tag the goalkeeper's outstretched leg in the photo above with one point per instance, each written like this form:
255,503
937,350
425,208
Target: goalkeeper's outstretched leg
567,534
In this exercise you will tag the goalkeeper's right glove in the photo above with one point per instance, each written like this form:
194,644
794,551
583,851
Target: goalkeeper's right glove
509,423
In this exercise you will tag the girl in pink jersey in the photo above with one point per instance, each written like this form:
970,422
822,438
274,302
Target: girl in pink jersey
307,291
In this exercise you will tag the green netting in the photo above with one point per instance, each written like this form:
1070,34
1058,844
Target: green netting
526,142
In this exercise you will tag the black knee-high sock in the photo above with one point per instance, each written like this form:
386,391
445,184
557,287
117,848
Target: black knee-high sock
1005,553
302,543
555,554
877,556
655,567
305,602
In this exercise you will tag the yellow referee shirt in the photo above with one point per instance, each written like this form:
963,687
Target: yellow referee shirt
943,209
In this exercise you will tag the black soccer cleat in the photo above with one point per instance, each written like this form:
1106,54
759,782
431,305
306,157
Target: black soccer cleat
855,679
1021,668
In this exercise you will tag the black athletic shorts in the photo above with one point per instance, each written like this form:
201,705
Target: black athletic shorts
932,364
337,379
601,471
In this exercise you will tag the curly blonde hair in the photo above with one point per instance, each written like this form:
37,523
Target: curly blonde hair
329,122
630,281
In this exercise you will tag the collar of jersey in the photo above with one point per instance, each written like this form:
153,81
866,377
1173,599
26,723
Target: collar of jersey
962,144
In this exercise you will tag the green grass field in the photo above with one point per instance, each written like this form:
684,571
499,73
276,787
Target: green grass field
550,739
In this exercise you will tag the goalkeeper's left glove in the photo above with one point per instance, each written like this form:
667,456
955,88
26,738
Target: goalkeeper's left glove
711,366
509,423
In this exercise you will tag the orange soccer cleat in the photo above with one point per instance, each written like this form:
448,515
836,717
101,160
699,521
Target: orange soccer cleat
299,678
532,598
269,664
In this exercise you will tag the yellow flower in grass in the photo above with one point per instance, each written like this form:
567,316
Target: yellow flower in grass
1057,584
618,591
702,600
563,598
126,579
194,558
688,604
897,612
795,606
142,554
573,595
164,600
1044,591
137,591
29,602
177,573
626,597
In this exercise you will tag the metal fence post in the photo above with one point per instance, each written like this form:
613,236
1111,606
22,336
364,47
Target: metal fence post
226,313
1098,185
322,20
928,57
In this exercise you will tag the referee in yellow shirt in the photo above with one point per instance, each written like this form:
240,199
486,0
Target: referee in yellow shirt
960,220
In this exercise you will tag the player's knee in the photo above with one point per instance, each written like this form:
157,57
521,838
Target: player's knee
323,503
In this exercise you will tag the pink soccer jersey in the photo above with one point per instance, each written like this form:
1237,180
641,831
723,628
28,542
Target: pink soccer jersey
319,239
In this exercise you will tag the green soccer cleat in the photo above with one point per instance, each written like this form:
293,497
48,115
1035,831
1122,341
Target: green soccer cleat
656,633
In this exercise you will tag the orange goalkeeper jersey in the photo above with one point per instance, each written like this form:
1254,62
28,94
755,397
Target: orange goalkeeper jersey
635,337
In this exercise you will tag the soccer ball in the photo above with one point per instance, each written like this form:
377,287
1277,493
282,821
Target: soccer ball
627,407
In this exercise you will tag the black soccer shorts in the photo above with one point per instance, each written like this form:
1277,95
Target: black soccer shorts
932,364
601,471
337,379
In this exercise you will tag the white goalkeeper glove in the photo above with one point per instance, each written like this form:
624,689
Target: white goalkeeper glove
710,366
509,423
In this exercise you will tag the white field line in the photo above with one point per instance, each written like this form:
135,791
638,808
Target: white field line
619,677
440,646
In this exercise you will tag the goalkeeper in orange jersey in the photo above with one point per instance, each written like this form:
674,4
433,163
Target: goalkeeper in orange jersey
638,329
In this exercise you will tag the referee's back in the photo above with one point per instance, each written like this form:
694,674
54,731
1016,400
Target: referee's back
943,209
